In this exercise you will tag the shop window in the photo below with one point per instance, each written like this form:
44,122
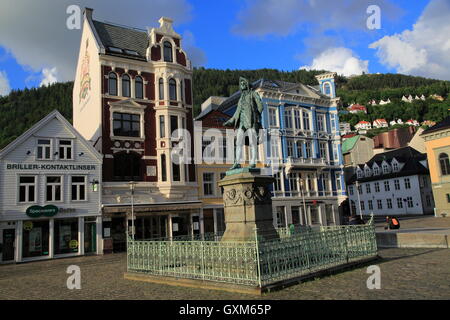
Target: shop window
65,150
208,184
27,189
44,149
126,125
53,188
127,166
66,236
138,88
35,238
126,85
168,52
172,90
112,84
78,188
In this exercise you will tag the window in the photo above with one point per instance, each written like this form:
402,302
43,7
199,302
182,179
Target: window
368,172
299,146
273,117
448,197
290,148
335,152
362,205
327,89
35,241
376,170
163,168
308,153
27,189
325,181
350,190
297,119
370,204
323,150
161,88
407,183
338,181
445,164
306,125
78,188
377,187
112,84
44,149
333,123
274,147
172,90
127,166
320,122
410,202
176,172
368,188
293,185
277,183
126,85
389,203
138,88
360,189
380,204
400,203
359,173
168,52
397,184
53,188
65,150
288,119
173,124
162,126
182,90
394,166
208,183
387,186
65,230
385,168
126,125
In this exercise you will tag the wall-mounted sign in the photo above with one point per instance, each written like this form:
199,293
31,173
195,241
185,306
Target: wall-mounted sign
67,167
37,211
28,225
73,244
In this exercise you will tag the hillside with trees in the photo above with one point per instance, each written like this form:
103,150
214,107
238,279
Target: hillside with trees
22,108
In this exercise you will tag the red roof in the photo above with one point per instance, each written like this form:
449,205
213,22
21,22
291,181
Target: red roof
357,107
381,120
362,121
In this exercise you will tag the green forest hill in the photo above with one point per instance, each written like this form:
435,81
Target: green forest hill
23,108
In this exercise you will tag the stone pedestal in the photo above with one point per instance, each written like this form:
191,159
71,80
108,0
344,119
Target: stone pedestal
247,205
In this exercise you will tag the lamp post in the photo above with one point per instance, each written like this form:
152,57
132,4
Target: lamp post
305,216
132,184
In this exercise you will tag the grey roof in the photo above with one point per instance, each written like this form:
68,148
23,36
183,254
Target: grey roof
123,38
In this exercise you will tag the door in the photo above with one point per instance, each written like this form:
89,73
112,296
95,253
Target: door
8,238
90,237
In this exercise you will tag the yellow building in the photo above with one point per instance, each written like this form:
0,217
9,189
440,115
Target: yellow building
437,144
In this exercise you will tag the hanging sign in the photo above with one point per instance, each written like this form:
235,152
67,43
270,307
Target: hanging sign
38,211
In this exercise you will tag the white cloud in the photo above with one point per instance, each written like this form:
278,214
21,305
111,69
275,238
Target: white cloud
35,32
340,60
424,50
48,76
195,54
282,17
4,84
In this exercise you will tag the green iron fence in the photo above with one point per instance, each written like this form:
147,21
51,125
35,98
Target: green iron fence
256,263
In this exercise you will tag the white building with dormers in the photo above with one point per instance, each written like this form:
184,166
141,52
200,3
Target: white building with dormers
393,183
50,194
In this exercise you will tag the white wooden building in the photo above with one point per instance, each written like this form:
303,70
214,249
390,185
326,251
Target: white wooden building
50,197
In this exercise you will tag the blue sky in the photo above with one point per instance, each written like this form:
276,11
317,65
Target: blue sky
36,48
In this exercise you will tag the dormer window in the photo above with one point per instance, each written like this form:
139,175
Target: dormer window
394,166
376,170
327,89
368,173
65,150
359,173
168,52
44,148
126,85
385,169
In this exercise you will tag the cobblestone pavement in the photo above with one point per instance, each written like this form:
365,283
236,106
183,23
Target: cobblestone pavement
405,274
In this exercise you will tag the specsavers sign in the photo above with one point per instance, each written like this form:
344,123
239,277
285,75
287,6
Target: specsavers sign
38,211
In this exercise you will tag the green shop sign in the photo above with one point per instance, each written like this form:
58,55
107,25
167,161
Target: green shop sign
37,211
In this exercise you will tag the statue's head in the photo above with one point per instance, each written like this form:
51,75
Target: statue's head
243,84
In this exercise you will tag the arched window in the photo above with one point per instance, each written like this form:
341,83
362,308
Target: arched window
161,89
445,164
172,89
126,85
127,167
112,84
138,88
327,88
168,51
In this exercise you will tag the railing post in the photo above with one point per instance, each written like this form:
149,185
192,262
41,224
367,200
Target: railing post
257,257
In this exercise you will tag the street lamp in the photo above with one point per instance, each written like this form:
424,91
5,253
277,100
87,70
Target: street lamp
132,184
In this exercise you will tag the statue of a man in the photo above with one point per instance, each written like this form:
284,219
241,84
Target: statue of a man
247,119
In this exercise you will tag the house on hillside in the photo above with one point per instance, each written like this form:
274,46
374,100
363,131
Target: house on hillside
355,108
382,102
363,125
380,123
412,122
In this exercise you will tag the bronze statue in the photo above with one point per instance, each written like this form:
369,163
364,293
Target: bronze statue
247,119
